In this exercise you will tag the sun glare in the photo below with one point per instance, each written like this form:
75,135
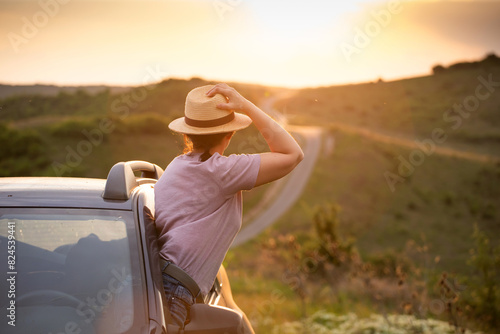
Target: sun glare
293,43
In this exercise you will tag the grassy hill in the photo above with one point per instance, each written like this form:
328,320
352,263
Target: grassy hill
412,108
407,209
39,89
423,222
84,134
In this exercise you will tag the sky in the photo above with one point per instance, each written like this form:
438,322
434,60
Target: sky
281,43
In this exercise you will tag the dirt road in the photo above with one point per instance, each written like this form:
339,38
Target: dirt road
442,150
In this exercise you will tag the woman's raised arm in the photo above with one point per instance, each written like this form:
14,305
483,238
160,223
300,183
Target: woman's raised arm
285,153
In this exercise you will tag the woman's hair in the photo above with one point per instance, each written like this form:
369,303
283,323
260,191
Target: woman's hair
203,142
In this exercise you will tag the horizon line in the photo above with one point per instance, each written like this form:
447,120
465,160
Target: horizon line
117,85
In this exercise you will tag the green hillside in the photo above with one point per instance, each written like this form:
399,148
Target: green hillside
394,219
410,228
462,100
84,134
39,89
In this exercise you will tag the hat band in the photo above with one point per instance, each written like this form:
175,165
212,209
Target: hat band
209,123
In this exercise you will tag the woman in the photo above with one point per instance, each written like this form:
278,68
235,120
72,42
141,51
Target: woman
198,198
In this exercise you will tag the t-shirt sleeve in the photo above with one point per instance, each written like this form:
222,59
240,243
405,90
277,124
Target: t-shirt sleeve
239,172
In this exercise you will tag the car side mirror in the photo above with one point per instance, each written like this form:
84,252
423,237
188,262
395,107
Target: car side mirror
207,319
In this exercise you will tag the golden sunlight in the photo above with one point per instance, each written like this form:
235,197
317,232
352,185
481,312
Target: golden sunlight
292,44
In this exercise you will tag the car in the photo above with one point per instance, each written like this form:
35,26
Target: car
80,255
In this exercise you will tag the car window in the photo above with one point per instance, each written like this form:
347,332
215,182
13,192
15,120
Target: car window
81,264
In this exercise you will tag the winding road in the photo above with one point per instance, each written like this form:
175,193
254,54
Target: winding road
283,194
291,186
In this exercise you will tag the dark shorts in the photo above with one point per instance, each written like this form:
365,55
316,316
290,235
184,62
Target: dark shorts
179,300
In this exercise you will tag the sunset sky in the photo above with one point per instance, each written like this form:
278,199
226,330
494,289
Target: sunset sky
284,43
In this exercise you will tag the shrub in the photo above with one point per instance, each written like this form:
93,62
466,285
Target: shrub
22,152
388,263
438,69
483,300
73,128
326,255
330,244
145,124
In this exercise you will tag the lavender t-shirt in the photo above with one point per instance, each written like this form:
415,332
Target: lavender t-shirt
198,207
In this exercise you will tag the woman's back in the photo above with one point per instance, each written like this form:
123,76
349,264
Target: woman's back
201,210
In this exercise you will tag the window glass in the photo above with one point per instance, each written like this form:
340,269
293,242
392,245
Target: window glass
78,267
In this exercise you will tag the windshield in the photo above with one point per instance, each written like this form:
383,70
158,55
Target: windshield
70,271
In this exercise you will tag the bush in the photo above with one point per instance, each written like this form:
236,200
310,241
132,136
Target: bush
144,124
73,128
325,255
388,264
438,69
483,298
331,245
22,152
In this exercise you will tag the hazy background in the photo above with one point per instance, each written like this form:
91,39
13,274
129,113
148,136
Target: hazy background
357,245
292,43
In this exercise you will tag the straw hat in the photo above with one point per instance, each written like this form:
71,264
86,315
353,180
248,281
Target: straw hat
201,115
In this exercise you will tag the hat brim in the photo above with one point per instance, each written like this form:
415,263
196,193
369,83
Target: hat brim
239,122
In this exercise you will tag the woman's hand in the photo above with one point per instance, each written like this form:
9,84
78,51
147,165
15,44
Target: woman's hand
235,102
285,152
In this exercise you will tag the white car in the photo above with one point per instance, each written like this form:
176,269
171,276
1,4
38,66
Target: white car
80,255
